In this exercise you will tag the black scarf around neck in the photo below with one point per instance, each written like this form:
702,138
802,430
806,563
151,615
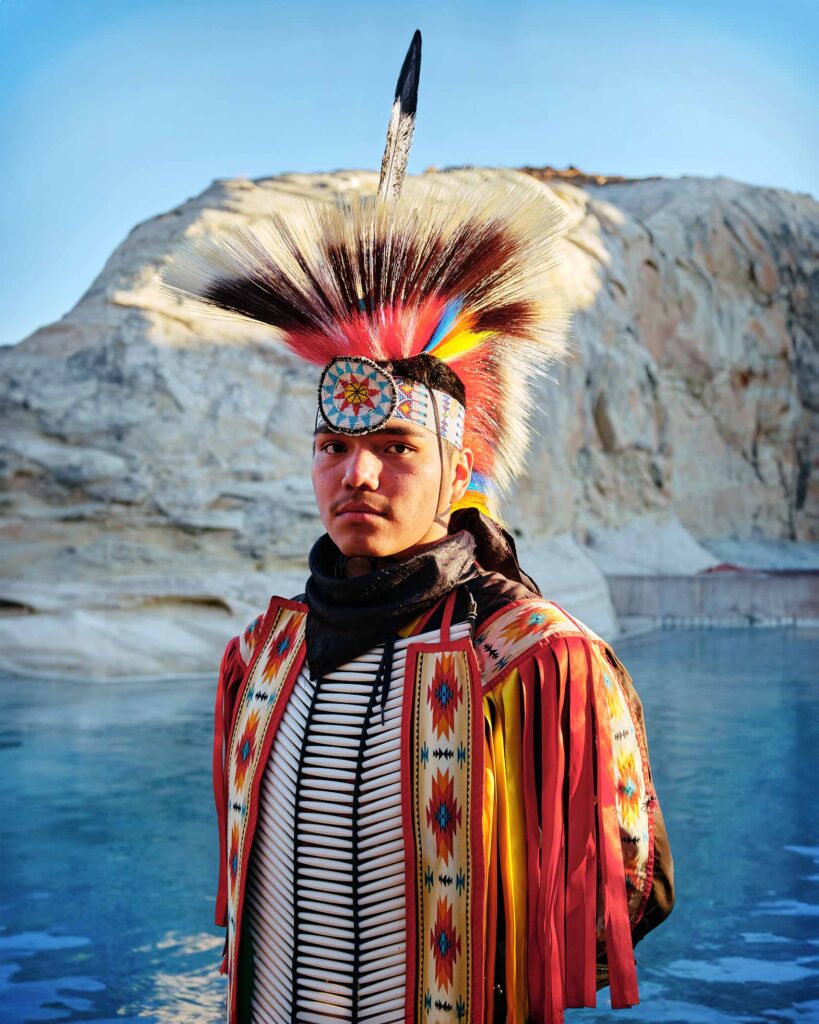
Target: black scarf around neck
348,616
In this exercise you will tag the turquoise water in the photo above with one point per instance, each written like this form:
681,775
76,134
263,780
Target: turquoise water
109,861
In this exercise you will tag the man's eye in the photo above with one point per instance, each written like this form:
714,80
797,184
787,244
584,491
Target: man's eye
399,448
333,447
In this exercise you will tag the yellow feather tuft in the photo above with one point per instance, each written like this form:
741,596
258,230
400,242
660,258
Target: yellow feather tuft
456,345
478,500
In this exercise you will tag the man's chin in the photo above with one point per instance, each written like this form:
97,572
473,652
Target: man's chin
363,543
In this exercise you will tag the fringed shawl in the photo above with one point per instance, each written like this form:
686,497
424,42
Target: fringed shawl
566,838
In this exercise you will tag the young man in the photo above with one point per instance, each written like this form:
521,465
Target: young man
433,789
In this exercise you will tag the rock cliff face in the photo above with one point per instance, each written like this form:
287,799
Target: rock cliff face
696,383
154,459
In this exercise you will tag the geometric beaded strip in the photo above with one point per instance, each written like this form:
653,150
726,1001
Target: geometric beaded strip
445,777
254,716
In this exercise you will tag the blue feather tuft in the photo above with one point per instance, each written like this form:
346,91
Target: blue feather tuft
480,483
448,318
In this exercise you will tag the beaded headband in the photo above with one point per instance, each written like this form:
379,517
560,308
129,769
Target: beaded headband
357,396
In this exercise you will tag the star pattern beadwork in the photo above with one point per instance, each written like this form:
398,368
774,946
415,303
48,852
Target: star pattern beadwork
355,391
280,649
233,855
445,943
356,395
443,814
246,748
444,695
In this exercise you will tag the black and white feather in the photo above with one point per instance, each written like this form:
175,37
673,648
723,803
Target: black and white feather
402,123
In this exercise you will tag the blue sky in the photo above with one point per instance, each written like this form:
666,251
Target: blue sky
115,110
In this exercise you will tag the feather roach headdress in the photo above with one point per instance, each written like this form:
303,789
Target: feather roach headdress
458,266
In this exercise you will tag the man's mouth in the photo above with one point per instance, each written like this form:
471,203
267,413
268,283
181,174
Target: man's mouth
353,510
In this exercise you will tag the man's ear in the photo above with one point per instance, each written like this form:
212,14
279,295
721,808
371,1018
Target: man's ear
461,473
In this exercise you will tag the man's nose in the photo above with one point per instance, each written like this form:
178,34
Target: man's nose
362,470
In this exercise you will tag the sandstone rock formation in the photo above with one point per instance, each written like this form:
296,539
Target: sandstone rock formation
154,463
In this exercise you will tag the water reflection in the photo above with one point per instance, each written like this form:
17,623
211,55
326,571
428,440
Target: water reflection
740,970
45,998
184,995
108,906
734,739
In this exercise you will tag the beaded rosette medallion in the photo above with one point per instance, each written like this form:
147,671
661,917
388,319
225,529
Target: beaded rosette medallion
357,396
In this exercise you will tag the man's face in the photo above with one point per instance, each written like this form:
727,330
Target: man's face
378,493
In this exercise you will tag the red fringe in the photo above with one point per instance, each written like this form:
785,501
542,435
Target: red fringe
581,890
231,673
562,864
534,957
551,907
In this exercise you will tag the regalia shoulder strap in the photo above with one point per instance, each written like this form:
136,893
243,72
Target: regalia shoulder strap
517,631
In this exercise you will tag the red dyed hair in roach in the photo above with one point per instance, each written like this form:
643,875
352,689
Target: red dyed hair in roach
459,267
